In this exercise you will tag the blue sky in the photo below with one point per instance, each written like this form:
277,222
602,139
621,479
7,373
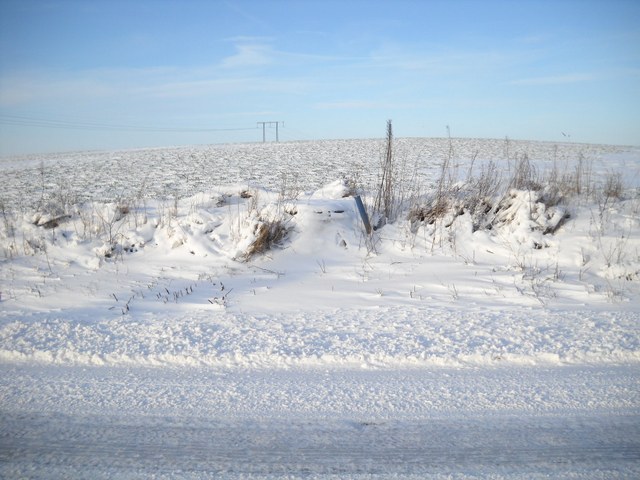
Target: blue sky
78,75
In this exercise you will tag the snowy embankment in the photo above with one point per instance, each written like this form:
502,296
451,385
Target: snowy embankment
388,337
243,275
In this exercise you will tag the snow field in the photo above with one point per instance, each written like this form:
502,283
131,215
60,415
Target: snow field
145,332
170,282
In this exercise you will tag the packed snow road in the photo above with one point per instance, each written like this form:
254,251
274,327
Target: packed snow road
97,446
522,422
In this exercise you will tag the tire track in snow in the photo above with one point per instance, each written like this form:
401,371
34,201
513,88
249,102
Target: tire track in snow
95,444
198,423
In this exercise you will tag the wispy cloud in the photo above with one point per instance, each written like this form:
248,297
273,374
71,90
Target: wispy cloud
100,85
535,39
555,79
438,60
249,55
249,39
369,104
36,86
260,52
347,105
212,87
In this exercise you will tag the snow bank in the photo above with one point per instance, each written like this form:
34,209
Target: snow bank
389,337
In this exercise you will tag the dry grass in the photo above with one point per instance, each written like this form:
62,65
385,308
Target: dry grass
613,187
268,234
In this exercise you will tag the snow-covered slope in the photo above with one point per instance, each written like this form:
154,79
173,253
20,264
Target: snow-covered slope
221,312
119,274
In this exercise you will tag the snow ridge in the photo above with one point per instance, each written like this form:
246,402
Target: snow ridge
386,338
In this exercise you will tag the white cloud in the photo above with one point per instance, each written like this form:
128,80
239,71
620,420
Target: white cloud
249,55
258,51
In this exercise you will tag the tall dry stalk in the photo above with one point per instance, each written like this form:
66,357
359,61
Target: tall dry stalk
385,198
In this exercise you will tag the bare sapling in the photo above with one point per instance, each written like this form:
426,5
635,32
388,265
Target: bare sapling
385,196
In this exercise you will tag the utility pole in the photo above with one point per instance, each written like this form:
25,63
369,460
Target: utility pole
269,124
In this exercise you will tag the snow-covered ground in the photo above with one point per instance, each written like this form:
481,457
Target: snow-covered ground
142,334
514,422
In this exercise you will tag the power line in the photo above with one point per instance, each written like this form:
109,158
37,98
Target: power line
269,124
19,120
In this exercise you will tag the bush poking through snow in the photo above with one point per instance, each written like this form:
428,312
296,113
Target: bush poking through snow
53,223
267,234
613,186
525,176
434,208
526,198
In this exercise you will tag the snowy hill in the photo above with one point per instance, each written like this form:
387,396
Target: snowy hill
117,272
222,312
